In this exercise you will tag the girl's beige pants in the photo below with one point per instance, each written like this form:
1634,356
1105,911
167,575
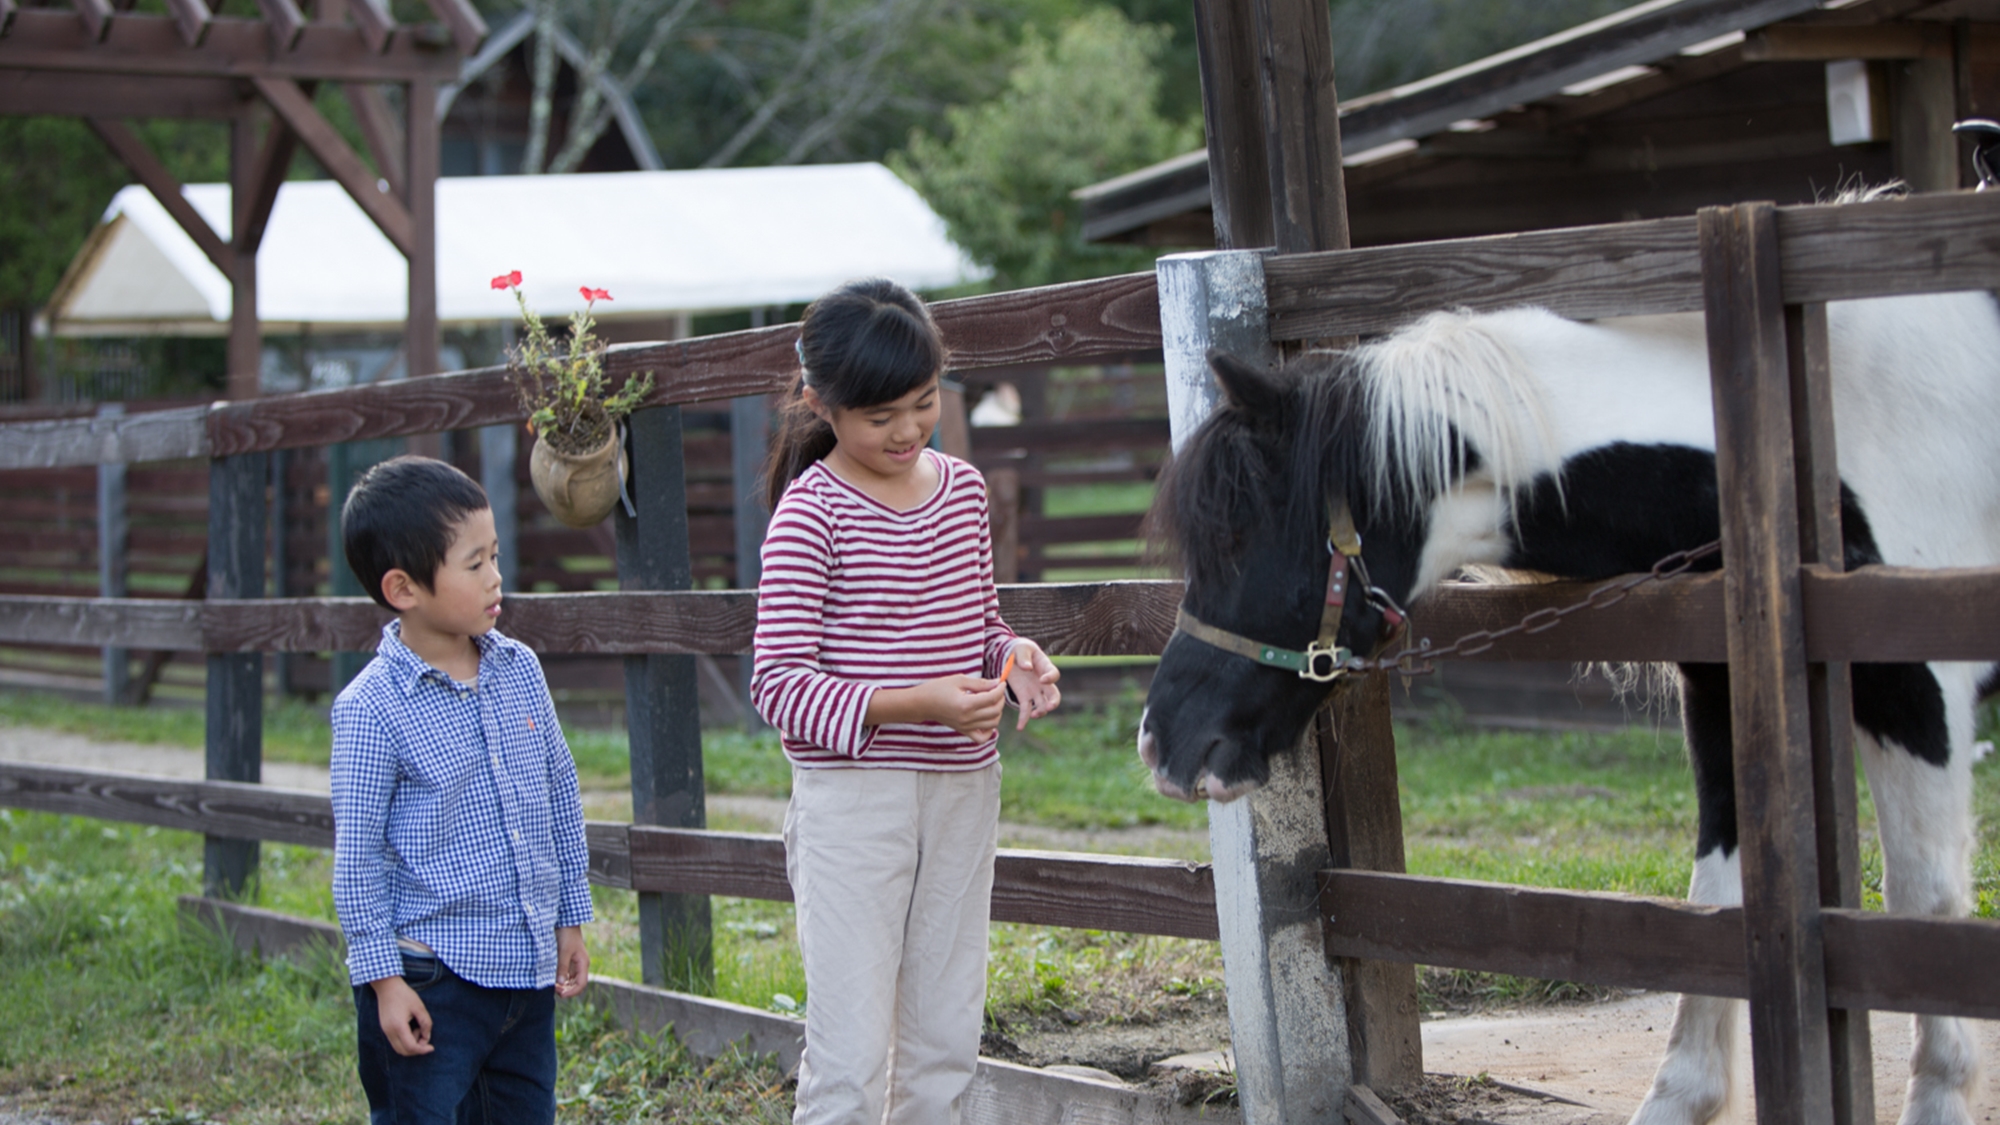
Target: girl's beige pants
892,871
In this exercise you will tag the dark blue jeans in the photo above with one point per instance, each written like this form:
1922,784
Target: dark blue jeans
493,1060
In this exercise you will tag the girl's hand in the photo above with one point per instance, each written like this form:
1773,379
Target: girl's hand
1033,681
970,705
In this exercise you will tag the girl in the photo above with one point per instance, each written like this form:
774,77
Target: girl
880,656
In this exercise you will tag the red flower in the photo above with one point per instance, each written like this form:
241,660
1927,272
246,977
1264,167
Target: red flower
507,280
590,294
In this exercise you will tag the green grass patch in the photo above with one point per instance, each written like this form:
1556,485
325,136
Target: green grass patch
294,731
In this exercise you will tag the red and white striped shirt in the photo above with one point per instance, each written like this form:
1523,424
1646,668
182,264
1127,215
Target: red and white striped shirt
857,596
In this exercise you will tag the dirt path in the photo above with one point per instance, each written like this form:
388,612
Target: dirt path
1598,1057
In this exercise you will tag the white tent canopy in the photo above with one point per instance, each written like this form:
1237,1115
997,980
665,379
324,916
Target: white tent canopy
660,242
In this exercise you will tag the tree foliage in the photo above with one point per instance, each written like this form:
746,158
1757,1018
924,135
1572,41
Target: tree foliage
1076,109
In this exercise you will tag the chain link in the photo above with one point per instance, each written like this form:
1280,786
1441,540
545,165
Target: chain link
1419,660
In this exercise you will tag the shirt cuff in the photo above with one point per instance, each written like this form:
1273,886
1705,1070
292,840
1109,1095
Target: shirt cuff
372,959
575,911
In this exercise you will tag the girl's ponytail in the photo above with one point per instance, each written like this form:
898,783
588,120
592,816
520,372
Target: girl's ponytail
866,343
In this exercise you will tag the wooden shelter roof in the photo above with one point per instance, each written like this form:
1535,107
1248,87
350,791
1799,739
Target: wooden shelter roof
1656,110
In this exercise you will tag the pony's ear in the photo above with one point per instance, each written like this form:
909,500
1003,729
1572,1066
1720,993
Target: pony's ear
1247,386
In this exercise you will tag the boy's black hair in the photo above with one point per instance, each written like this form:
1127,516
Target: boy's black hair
400,516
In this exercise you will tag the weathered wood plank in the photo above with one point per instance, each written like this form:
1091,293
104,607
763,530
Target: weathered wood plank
1898,963
1873,614
1938,243
1121,893
1923,244
1080,320
1770,723
161,435
1873,961
1626,940
237,810
54,39
96,622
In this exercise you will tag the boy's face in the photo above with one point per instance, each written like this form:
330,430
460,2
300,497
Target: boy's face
464,598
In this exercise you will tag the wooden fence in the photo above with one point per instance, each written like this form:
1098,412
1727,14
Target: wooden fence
1755,270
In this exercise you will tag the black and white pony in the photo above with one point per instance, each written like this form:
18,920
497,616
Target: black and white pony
1524,441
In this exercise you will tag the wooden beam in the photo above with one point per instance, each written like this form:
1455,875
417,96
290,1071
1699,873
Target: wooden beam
285,20
96,15
1915,39
1874,961
244,358
377,26
1301,125
53,39
1769,720
1644,33
194,19
147,169
420,163
468,27
7,10
1915,245
273,162
1232,109
29,93
246,811
379,129
162,435
330,149
1884,614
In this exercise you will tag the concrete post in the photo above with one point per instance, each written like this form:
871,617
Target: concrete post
1287,1011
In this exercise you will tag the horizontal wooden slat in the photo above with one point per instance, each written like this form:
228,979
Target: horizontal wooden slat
162,435
1872,614
1923,244
1899,963
1121,893
1624,940
221,808
1873,961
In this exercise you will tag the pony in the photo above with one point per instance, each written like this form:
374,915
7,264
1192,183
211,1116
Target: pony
1523,441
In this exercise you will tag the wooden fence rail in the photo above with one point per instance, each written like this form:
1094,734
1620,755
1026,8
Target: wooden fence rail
1883,962
1122,893
1874,614
1114,316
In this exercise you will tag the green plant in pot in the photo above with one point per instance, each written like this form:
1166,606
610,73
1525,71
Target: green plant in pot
578,463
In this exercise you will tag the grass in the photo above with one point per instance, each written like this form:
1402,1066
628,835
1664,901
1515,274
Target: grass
110,1006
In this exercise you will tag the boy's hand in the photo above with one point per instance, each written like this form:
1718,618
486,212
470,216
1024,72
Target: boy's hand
572,961
405,1020
1033,681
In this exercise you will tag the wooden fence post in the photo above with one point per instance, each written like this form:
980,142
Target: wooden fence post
1829,689
1769,713
662,713
749,442
498,449
235,693
112,529
1287,1005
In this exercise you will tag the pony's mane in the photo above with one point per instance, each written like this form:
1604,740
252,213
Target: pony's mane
1389,426
1439,392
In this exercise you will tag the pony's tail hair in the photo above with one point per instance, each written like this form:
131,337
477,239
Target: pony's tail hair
1439,390
802,437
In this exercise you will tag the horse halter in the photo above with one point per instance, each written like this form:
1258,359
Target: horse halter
1323,660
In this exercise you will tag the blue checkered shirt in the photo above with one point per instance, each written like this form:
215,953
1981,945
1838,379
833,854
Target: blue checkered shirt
457,818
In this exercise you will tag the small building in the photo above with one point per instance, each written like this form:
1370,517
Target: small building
1656,110
667,245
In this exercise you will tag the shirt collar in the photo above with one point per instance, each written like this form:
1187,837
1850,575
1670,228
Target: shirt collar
409,669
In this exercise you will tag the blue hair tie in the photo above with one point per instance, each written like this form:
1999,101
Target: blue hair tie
799,346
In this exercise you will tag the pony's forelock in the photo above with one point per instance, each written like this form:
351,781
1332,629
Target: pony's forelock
1439,390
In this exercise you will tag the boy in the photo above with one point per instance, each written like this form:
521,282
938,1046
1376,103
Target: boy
459,855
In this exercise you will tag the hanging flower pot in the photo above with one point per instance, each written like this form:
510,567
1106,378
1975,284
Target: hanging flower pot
580,489
578,463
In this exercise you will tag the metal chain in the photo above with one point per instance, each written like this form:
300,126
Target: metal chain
1418,661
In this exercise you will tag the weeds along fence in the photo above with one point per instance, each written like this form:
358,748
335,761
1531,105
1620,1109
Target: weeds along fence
1782,614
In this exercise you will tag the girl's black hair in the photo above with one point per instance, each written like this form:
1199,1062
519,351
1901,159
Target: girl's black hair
866,343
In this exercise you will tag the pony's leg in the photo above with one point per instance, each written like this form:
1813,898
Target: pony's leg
1914,733
1693,1083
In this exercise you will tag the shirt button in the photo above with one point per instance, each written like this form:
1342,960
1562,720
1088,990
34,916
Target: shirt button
517,835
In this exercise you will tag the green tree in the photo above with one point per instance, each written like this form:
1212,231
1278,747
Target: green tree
1076,110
